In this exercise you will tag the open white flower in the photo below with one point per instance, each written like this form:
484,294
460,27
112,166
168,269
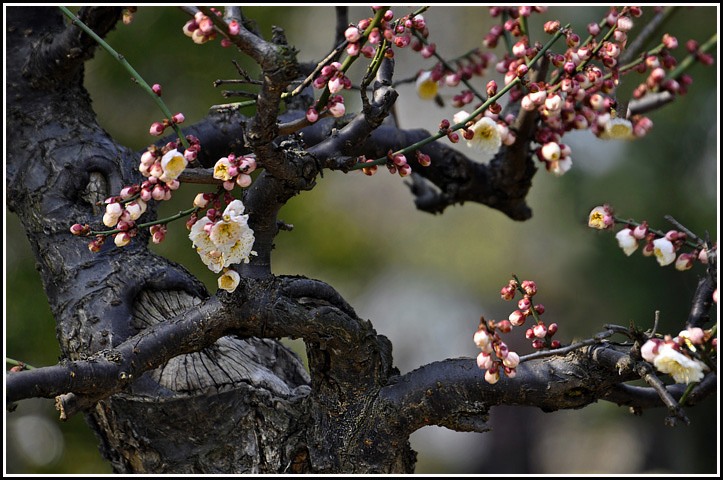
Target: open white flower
229,280
173,164
426,87
487,137
228,241
664,251
617,129
206,249
680,367
627,241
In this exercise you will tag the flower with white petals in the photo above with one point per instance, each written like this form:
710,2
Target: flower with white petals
173,164
617,129
487,136
206,249
664,251
679,366
225,242
221,169
229,280
559,167
627,241
426,87
601,218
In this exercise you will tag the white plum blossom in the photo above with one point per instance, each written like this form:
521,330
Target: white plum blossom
664,251
682,368
227,241
229,280
426,87
627,241
173,164
617,129
487,137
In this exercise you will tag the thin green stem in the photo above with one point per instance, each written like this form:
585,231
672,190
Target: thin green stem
172,218
683,399
692,58
450,67
18,363
135,75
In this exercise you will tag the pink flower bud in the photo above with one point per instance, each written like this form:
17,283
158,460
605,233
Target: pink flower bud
504,326
405,170
511,360
517,318
157,89
399,159
319,83
243,180
352,34
353,49
202,200
552,329
481,338
79,229
484,361
423,159
157,129
539,330
524,304
178,118
122,239
337,109
428,50
158,192
312,115
507,292
492,376
233,27
625,24
336,84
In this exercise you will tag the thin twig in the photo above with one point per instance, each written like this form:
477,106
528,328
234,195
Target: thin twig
599,337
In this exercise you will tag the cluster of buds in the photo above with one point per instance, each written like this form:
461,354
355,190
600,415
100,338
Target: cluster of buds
233,170
487,336
333,77
540,334
397,33
665,246
580,91
495,356
335,107
397,163
121,213
157,128
200,28
682,357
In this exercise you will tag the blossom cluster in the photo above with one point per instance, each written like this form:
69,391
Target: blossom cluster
579,93
397,33
201,29
487,336
680,356
233,170
488,339
665,246
221,238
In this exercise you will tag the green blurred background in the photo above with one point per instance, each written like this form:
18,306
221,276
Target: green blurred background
425,280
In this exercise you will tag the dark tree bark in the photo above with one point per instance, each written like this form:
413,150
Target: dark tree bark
173,379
